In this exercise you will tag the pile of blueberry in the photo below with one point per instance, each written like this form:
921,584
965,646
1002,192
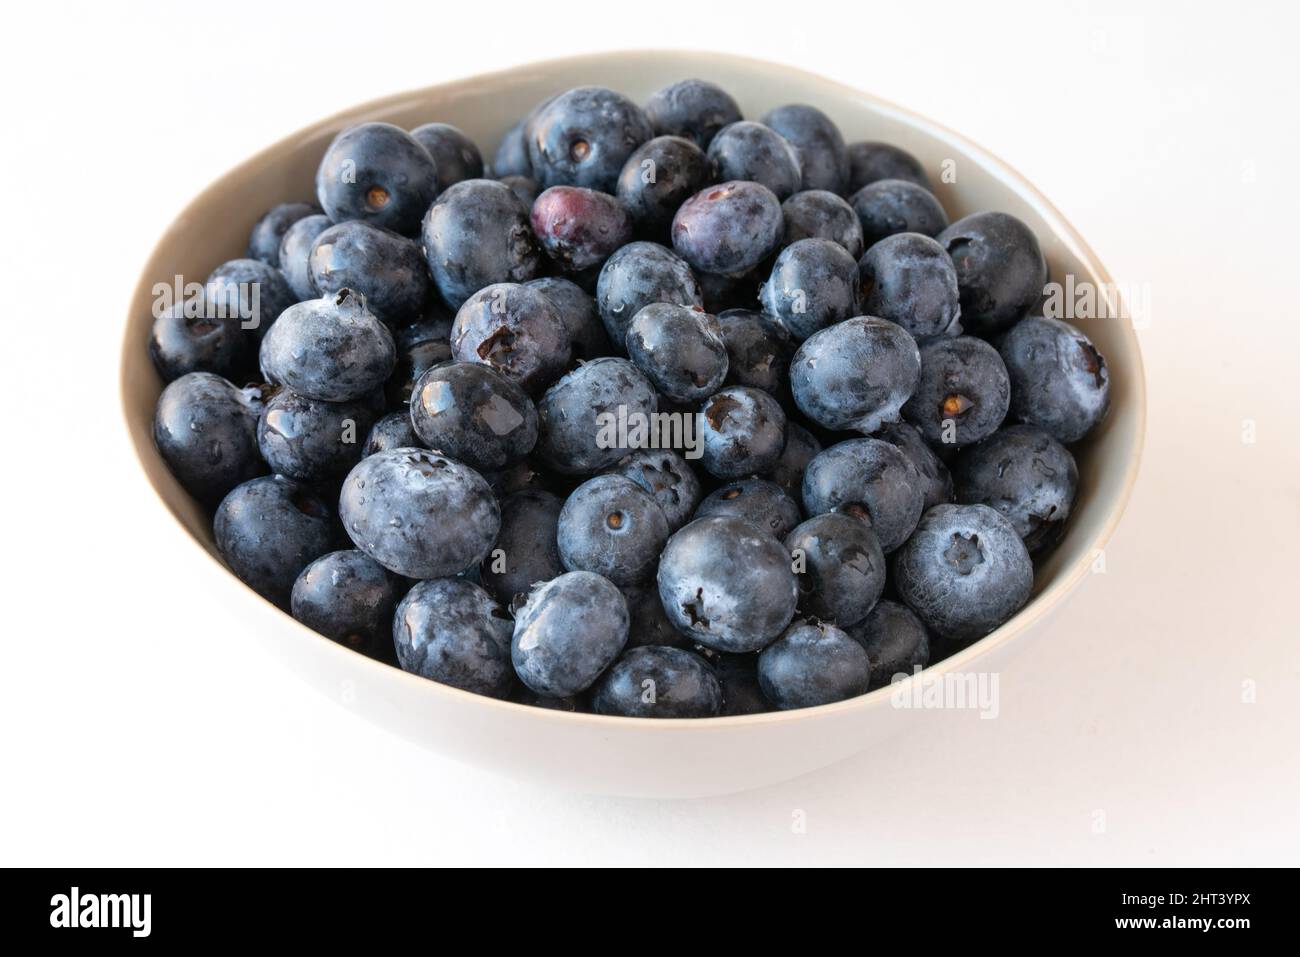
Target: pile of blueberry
872,421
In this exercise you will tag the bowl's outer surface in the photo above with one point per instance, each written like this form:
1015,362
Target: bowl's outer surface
676,758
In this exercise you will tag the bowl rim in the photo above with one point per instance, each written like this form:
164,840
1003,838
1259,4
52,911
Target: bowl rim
1038,608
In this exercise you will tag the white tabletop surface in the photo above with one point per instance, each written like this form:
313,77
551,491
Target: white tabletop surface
138,726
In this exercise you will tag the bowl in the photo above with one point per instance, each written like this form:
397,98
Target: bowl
610,755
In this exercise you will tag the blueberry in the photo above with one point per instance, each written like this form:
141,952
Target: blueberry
295,255
856,374
964,572
388,269
936,482
525,187
840,565
573,704
694,109
669,478
758,351
818,214
658,178
332,349
742,432
738,676
475,414
813,663
1000,270
511,157
574,414
434,323
348,597
268,530
584,136
872,162
250,291
755,153
657,682
454,154
516,331
680,349
729,228
731,292
183,340
1026,475
379,173
206,431
801,447
579,228
413,361
313,441
895,641
891,206
637,275
419,513
577,310
525,552
648,624
610,525
453,632
818,143
529,475
814,284
908,278
477,233
727,584
1059,381
568,631
268,232
393,431
755,500
866,476
963,394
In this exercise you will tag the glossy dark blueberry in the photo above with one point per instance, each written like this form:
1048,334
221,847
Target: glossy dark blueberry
1026,475
870,162
511,157
758,351
530,475
267,233
577,310
963,394
823,157
578,416
525,551
419,513
388,269
727,584
183,339
453,632
813,663
694,109
1059,381
891,206
584,136
661,175
729,228
669,478
474,414
349,597
295,255
393,431
413,361
742,431
895,641
814,284
205,429
731,292
573,704
525,187
801,447
477,233
332,349
250,291
610,525
434,323
658,682
637,275
515,330
268,530
755,500
818,214
1000,270
856,374
908,278
936,481
379,173
579,228
680,349
964,572
738,676
313,441
866,476
648,625
569,631
454,154
756,153
840,565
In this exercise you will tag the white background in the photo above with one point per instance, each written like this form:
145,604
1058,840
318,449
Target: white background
138,725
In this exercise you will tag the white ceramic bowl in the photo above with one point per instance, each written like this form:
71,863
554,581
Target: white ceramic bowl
677,758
